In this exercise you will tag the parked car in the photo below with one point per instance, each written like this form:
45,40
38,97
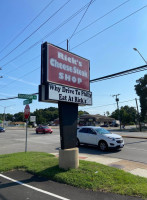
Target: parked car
104,125
43,129
2,129
114,125
101,137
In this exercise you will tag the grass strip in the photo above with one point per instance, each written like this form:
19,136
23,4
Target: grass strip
89,175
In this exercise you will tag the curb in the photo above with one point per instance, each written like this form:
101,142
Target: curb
127,136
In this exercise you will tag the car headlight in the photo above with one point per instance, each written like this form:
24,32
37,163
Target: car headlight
111,138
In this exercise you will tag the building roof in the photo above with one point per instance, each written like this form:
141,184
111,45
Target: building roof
97,117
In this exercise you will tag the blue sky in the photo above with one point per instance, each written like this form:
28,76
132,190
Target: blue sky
109,51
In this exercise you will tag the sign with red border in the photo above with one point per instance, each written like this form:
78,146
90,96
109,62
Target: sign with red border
62,67
27,111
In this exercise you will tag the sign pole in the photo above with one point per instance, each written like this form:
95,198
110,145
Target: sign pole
26,115
68,114
26,136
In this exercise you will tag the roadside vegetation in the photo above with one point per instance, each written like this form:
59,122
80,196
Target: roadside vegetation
89,175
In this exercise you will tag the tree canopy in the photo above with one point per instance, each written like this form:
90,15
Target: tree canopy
141,91
43,116
127,114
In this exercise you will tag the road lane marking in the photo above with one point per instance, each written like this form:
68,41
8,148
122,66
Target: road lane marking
135,149
32,187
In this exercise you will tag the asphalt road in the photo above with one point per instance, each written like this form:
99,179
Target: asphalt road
16,185
14,141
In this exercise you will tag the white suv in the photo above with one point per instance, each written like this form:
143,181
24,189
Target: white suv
101,137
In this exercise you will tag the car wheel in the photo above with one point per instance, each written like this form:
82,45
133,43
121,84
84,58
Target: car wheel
43,132
103,146
77,143
36,132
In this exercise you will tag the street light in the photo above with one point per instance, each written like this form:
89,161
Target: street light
4,114
140,55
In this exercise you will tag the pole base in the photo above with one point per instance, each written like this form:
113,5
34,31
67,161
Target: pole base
69,158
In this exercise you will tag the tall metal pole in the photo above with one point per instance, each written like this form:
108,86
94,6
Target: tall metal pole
4,114
138,117
67,44
140,55
26,135
117,100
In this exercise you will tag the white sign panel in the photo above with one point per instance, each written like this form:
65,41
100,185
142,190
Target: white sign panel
69,94
32,118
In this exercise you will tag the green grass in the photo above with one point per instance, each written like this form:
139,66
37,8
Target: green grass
89,175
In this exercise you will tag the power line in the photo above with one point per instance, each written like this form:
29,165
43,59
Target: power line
99,18
110,104
28,73
50,33
14,97
126,72
80,20
27,26
92,22
109,27
36,29
38,56
65,40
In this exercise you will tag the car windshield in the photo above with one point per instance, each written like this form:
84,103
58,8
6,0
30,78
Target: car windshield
102,131
45,127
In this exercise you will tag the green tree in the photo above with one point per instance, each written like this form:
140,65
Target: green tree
80,112
19,117
107,113
127,114
44,116
9,117
141,91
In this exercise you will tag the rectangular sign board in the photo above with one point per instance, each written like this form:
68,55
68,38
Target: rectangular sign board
27,101
32,118
67,94
62,67
27,96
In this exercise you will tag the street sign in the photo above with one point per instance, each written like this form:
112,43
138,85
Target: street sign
32,118
27,96
27,111
27,101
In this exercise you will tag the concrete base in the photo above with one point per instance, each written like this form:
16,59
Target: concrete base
69,158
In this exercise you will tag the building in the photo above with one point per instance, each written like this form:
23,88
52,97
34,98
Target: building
90,120
93,120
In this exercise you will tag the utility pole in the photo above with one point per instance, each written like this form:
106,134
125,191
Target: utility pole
138,117
117,100
67,45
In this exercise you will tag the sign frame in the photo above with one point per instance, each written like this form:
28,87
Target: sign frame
77,96
66,69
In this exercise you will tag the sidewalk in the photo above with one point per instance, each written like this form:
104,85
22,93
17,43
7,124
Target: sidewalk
132,167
